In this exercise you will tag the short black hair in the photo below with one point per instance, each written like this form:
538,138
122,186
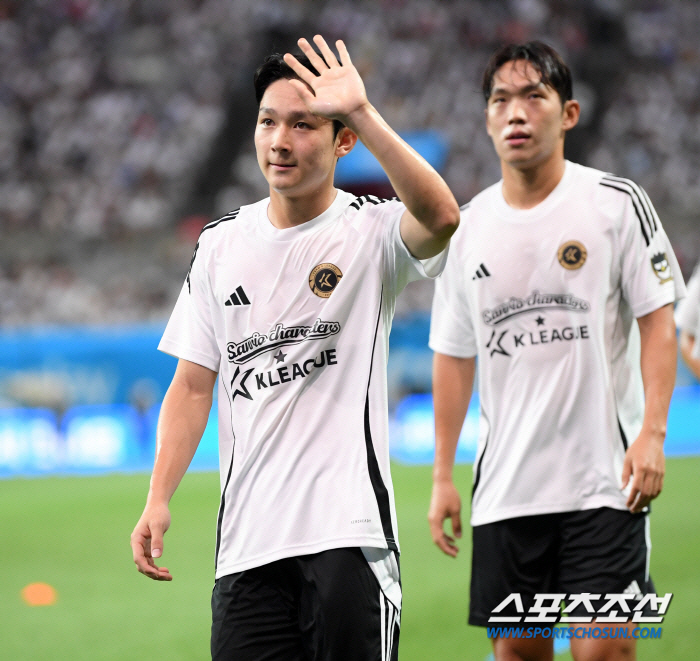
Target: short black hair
553,71
274,68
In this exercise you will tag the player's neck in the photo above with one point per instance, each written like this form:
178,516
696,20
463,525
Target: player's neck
287,211
525,188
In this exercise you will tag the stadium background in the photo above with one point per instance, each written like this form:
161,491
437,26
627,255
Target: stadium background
126,125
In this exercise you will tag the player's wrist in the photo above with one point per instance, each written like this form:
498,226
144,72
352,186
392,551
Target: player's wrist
362,118
158,498
443,476
654,432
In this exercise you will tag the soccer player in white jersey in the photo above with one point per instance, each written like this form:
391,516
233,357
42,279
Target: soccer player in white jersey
688,322
290,302
545,278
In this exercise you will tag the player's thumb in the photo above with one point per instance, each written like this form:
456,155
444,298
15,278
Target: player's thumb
457,525
156,541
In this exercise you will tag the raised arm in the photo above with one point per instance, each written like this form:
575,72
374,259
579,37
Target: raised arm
453,381
644,461
182,420
432,213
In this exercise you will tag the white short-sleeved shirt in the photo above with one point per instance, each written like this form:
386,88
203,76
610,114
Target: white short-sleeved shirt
546,297
296,321
688,311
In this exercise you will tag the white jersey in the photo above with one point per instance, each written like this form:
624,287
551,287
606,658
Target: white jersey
296,321
688,311
547,299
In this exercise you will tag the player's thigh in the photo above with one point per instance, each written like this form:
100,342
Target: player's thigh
345,615
255,615
513,556
604,551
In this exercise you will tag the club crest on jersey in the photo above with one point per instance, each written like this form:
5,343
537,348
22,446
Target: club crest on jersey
572,255
662,269
324,278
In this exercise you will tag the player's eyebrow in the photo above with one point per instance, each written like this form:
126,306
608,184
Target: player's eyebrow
532,87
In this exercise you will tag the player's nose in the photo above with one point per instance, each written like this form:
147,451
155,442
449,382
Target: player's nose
280,139
516,112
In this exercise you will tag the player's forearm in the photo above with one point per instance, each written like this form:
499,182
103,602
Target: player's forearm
423,191
183,418
658,364
687,344
453,380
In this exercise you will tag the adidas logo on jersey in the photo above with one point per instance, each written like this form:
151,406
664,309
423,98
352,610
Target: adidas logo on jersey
481,272
238,297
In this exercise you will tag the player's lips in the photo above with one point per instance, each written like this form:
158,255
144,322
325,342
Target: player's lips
282,166
517,138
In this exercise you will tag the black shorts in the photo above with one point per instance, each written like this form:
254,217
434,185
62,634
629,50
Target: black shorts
600,551
328,606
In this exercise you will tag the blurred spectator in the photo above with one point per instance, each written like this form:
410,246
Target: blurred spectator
112,111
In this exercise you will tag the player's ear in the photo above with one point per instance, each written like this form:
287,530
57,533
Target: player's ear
344,141
570,113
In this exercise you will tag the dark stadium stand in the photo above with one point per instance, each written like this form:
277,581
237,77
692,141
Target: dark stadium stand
121,121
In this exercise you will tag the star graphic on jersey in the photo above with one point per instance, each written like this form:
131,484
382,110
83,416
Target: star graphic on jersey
279,356
241,388
497,348
540,321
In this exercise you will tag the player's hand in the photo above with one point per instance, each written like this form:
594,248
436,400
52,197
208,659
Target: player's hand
147,541
645,464
445,503
338,90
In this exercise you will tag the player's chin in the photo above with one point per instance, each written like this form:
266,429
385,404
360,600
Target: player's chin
521,158
283,182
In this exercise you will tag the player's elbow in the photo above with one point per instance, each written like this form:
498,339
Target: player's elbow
446,221
451,217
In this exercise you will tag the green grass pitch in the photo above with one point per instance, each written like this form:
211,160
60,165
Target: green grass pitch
73,533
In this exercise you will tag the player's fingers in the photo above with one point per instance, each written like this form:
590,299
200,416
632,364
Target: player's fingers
447,545
310,52
650,484
145,564
457,525
343,52
157,573
442,540
298,68
626,472
147,567
641,502
303,91
635,491
653,482
139,547
652,487
660,486
328,54
162,574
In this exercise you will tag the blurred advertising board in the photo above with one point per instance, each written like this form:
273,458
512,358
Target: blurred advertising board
94,439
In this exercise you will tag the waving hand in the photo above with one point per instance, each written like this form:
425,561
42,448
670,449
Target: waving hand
338,90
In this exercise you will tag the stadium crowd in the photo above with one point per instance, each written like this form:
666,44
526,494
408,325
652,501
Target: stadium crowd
112,113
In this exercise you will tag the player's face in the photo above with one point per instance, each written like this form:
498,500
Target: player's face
296,150
525,118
